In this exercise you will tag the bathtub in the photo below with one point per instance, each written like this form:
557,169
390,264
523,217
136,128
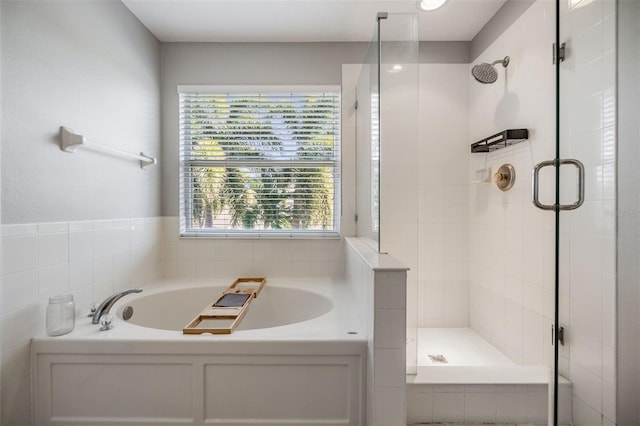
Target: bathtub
297,358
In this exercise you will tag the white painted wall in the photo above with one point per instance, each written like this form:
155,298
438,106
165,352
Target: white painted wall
91,66
239,63
254,63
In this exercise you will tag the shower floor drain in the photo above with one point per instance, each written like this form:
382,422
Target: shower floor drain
438,359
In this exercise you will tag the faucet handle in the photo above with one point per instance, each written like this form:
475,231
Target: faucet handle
92,309
105,322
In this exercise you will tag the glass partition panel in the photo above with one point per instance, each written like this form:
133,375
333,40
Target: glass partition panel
399,159
387,151
368,146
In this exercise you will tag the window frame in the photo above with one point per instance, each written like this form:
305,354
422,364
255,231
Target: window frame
185,202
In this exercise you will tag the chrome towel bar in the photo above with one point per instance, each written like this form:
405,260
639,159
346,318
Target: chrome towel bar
70,141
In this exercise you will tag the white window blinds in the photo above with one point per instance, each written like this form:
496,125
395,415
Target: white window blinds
259,162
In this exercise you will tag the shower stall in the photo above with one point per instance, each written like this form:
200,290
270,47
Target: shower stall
516,312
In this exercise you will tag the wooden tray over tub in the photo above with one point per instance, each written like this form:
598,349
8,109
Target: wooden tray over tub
228,310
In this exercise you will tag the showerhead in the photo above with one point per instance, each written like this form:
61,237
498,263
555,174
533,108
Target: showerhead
486,73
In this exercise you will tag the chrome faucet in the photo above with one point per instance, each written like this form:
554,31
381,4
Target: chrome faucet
105,306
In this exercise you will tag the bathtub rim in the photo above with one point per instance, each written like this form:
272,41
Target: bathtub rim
119,306
329,330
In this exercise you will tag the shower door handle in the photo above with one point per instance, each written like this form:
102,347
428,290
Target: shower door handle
535,187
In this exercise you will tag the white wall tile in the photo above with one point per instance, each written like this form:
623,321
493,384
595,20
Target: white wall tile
389,367
587,386
103,268
102,240
19,326
389,406
122,270
584,415
19,290
42,260
102,224
15,364
80,226
80,273
121,237
511,407
53,249
102,290
419,405
83,298
16,403
390,292
19,230
448,407
53,281
387,324
480,407
19,253
537,403
80,244
53,228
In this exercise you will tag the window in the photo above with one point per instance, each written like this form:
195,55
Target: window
259,162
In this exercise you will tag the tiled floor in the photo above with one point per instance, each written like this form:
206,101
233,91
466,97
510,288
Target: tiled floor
473,424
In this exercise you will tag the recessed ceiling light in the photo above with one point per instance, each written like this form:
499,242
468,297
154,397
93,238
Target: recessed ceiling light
429,5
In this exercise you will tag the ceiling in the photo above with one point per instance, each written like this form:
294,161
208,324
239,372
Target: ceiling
302,20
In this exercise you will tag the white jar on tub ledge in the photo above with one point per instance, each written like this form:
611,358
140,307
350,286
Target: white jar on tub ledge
61,315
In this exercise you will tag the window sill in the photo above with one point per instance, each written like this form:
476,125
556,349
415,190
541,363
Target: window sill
259,236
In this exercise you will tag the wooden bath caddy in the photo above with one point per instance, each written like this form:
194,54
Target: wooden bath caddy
231,306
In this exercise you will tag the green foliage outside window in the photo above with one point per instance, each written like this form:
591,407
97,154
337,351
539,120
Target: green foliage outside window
265,162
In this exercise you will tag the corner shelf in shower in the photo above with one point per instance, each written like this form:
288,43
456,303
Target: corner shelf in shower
500,140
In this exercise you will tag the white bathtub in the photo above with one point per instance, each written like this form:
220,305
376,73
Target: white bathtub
298,358
276,306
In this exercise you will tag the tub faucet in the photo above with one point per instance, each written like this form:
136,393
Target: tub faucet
105,306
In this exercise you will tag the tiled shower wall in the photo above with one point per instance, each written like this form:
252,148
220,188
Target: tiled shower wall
443,197
511,241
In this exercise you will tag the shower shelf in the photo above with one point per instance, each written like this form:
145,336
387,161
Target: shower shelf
500,140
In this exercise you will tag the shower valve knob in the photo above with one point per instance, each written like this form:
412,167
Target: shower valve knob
505,177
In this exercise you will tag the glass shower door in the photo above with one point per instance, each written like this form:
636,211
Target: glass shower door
583,388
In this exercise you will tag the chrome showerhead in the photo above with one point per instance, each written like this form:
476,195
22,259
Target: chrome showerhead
486,73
